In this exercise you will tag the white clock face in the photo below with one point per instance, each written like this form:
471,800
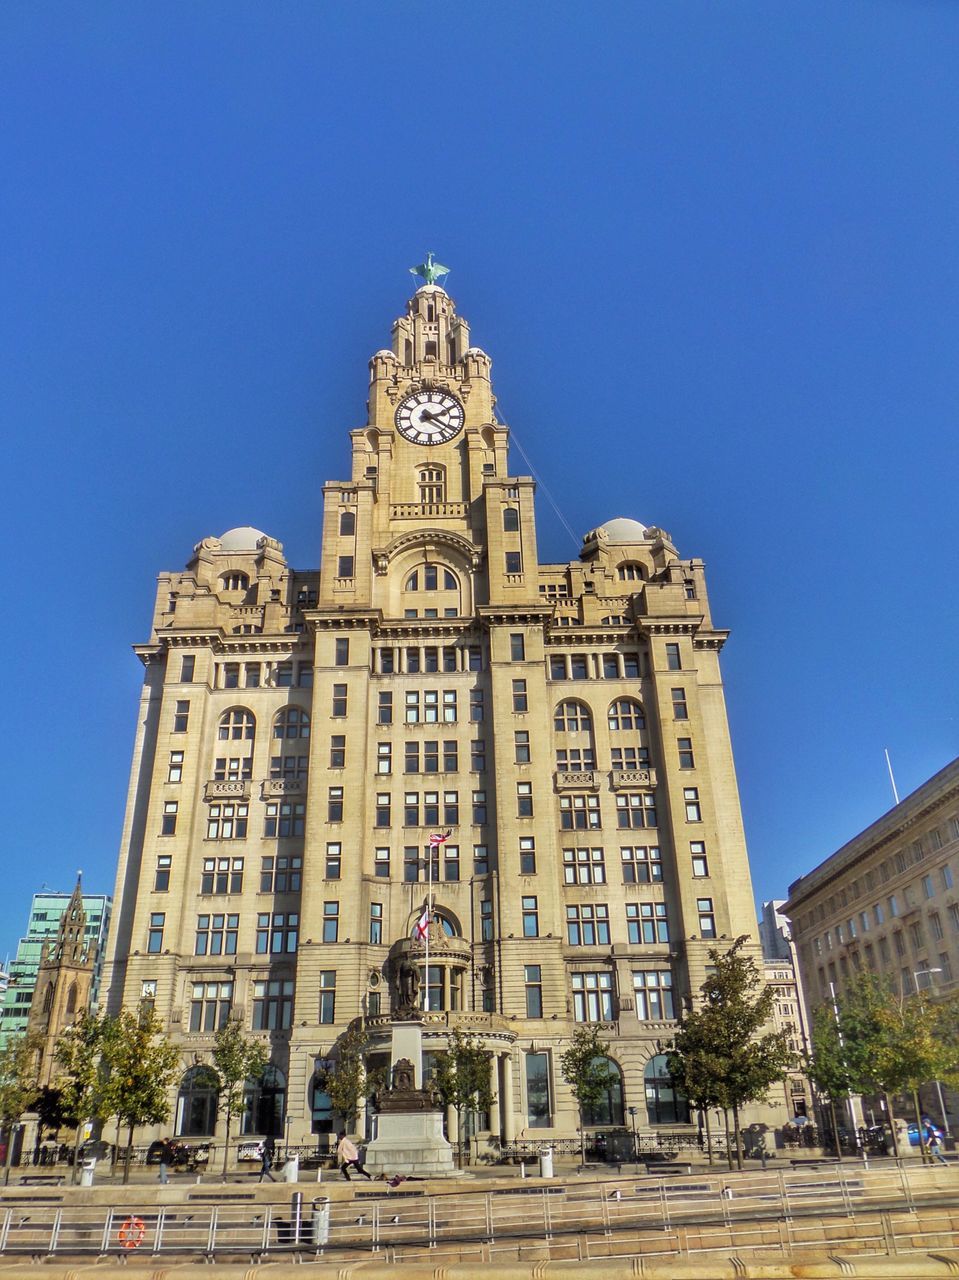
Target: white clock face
429,417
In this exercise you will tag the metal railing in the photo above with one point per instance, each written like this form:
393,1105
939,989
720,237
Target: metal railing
779,1211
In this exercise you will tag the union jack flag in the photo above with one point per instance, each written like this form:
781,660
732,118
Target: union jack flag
436,839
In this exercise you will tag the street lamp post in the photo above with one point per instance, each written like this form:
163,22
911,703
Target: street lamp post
632,1117
928,973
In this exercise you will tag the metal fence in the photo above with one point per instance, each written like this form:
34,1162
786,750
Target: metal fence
776,1211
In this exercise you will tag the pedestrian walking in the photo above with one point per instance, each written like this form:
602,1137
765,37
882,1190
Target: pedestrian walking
934,1143
267,1152
347,1154
166,1159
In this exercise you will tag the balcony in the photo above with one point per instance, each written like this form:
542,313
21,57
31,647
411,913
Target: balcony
575,779
274,787
417,510
633,778
238,789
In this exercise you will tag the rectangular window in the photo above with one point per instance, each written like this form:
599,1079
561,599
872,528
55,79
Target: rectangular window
412,661
520,699
451,755
679,704
216,935
431,756
384,757
381,863
530,918
451,862
577,667
376,923
386,661
477,711
411,809
175,768
412,714
338,751
935,924
557,667
449,658
514,562
334,860
284,675
691,801
155,934
339,701
181,717
304,675
161,878
479,808
168,821
411,757
945,874
517,647
231,675
341,651
524,799
878,913
286,818
232,768
344,567
486,919
478,755
584,866
534,991
642,864
383,802
187,668
281,874
587,924
635,810
521,746
685,749
707,917
210,1005
331,921
928,888
579,812
251,675
593,997
277,933
384,708
893,904
538,1114
674,660
527,856
273,1004
451,808
449,706
334,804
697,851
327,1011
653,990
227,821
222,875
646,923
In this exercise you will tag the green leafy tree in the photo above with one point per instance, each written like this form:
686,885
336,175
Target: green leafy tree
237,1058
348,1082
81,1074
721,1050
462,1078
586,1070
696,1074
19,1060
51,1112
142,1066
828,1064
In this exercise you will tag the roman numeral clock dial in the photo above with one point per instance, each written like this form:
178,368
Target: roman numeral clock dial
429,417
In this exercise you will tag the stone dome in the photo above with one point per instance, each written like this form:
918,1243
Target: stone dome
432,288
622,529
243,538
385,354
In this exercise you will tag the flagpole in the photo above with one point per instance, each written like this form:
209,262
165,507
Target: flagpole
429,922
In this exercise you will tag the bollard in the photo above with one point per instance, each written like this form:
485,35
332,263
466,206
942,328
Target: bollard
320,1225
546,1163
291,1170
296,1217
87,1170
522,1168
319,1173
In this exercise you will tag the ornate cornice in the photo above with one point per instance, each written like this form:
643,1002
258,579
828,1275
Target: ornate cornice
505,614
471,553
710,640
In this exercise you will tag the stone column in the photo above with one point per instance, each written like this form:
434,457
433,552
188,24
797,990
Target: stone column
494,1110
452,1125
509,1119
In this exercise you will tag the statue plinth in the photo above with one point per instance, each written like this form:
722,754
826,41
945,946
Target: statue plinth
409,1124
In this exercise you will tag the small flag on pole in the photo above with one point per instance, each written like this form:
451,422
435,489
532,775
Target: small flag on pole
423,924
436,839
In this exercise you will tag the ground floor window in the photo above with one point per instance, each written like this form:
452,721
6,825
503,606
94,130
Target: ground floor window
664,1103
537,1091
264,1103
608,1109
196,1104
321,1105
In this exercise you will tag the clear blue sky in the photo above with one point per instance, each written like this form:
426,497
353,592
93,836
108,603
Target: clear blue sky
711,248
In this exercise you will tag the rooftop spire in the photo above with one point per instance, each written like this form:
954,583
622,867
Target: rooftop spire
429,269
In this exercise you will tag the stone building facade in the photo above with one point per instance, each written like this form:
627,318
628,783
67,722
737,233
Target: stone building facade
887,902
303,733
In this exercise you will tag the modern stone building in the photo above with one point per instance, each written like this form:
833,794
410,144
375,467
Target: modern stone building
47,913
783,975
886,902
302,733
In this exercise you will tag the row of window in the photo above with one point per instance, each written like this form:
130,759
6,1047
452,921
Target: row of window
279,874
847,931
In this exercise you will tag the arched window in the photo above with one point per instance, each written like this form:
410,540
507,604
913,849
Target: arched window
196,1104
234,581
615,620
608,1109
624,714
236,724
347,524
445,923
431,482
264,1103
291,722
48,999
510,520
664,1103
321,1105
572,717
72,998
630,572
431,577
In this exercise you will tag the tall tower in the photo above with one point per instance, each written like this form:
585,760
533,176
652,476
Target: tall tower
64,981
303,734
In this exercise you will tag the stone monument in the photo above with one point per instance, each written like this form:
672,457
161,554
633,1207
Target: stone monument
408,1137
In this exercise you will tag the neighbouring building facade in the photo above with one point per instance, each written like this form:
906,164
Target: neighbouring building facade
886,902
47,914
302,733
789,1013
